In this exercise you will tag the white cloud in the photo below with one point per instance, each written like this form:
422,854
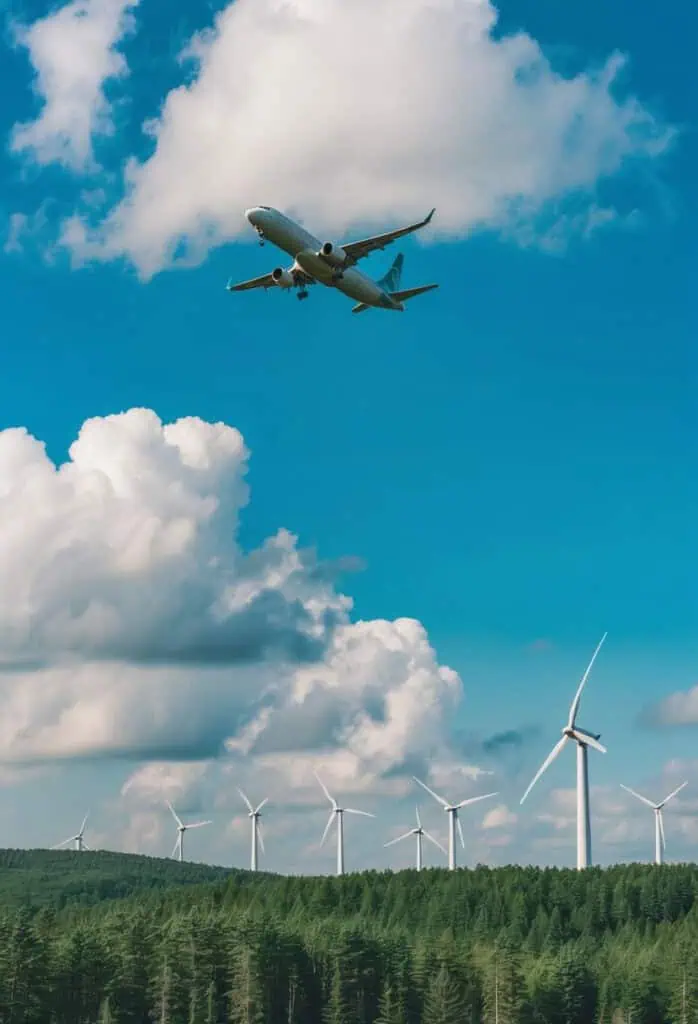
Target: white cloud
73,52
441,113
680,708
16,229
133,626
499,817
161,780
127,552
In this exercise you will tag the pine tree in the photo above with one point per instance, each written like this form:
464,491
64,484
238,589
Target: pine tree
502,986
390,1007
442,1004
683,985
576,988
247,999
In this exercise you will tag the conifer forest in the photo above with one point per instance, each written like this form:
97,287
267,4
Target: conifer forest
92,937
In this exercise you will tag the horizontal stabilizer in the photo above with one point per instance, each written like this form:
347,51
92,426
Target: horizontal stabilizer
409,293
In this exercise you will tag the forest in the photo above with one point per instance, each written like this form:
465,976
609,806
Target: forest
481,946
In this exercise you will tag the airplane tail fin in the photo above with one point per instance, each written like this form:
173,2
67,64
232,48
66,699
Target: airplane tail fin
391,281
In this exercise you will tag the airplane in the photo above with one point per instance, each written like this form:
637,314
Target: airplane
316,262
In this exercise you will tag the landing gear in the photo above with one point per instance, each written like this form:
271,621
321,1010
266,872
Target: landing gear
261,236
302,294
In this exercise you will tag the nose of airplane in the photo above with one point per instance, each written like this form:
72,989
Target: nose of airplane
250,214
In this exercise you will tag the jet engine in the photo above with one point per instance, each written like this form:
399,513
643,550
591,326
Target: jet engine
333,254
282,278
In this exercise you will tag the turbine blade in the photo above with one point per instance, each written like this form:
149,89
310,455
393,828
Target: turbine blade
198,824
86,847
574,707
176,846
639,796
661,829
419,820
84,822
474,800
174,813
393,841
260,837
249,805
677,790
591,741
325,790
460,832
328,826
260,806
436,796
546,764
434,841
59,846
353,810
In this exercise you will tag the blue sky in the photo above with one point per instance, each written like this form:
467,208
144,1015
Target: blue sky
513,459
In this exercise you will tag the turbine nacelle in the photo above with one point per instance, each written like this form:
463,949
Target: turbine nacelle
587,739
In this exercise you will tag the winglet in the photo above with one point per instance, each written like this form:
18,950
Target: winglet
427,219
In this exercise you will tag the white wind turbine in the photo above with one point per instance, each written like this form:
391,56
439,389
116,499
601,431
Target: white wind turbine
453,819
181,829
80,843
659,840
584,740
257,838
418,832
338,813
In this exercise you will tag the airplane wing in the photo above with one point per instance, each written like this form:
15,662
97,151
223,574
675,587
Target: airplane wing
267,281
357,250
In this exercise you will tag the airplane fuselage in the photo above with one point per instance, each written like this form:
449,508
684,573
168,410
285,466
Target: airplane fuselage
305,250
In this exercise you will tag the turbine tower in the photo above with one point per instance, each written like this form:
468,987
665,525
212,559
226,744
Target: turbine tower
338,813
659,840
418,832
80,843
178,848
584,740
453,819
257,838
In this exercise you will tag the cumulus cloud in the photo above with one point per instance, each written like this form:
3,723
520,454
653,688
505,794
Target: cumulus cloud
74,55
443,113
499,817
127,552
133,625
680,708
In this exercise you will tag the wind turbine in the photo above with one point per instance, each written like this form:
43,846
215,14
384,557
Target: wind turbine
255,815
659,840
453,819
584,740
418,832
338,813
181,829
80,843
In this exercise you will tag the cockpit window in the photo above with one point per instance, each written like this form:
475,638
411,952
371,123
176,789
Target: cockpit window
265,207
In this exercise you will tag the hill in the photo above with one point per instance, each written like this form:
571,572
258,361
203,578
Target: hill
57,878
